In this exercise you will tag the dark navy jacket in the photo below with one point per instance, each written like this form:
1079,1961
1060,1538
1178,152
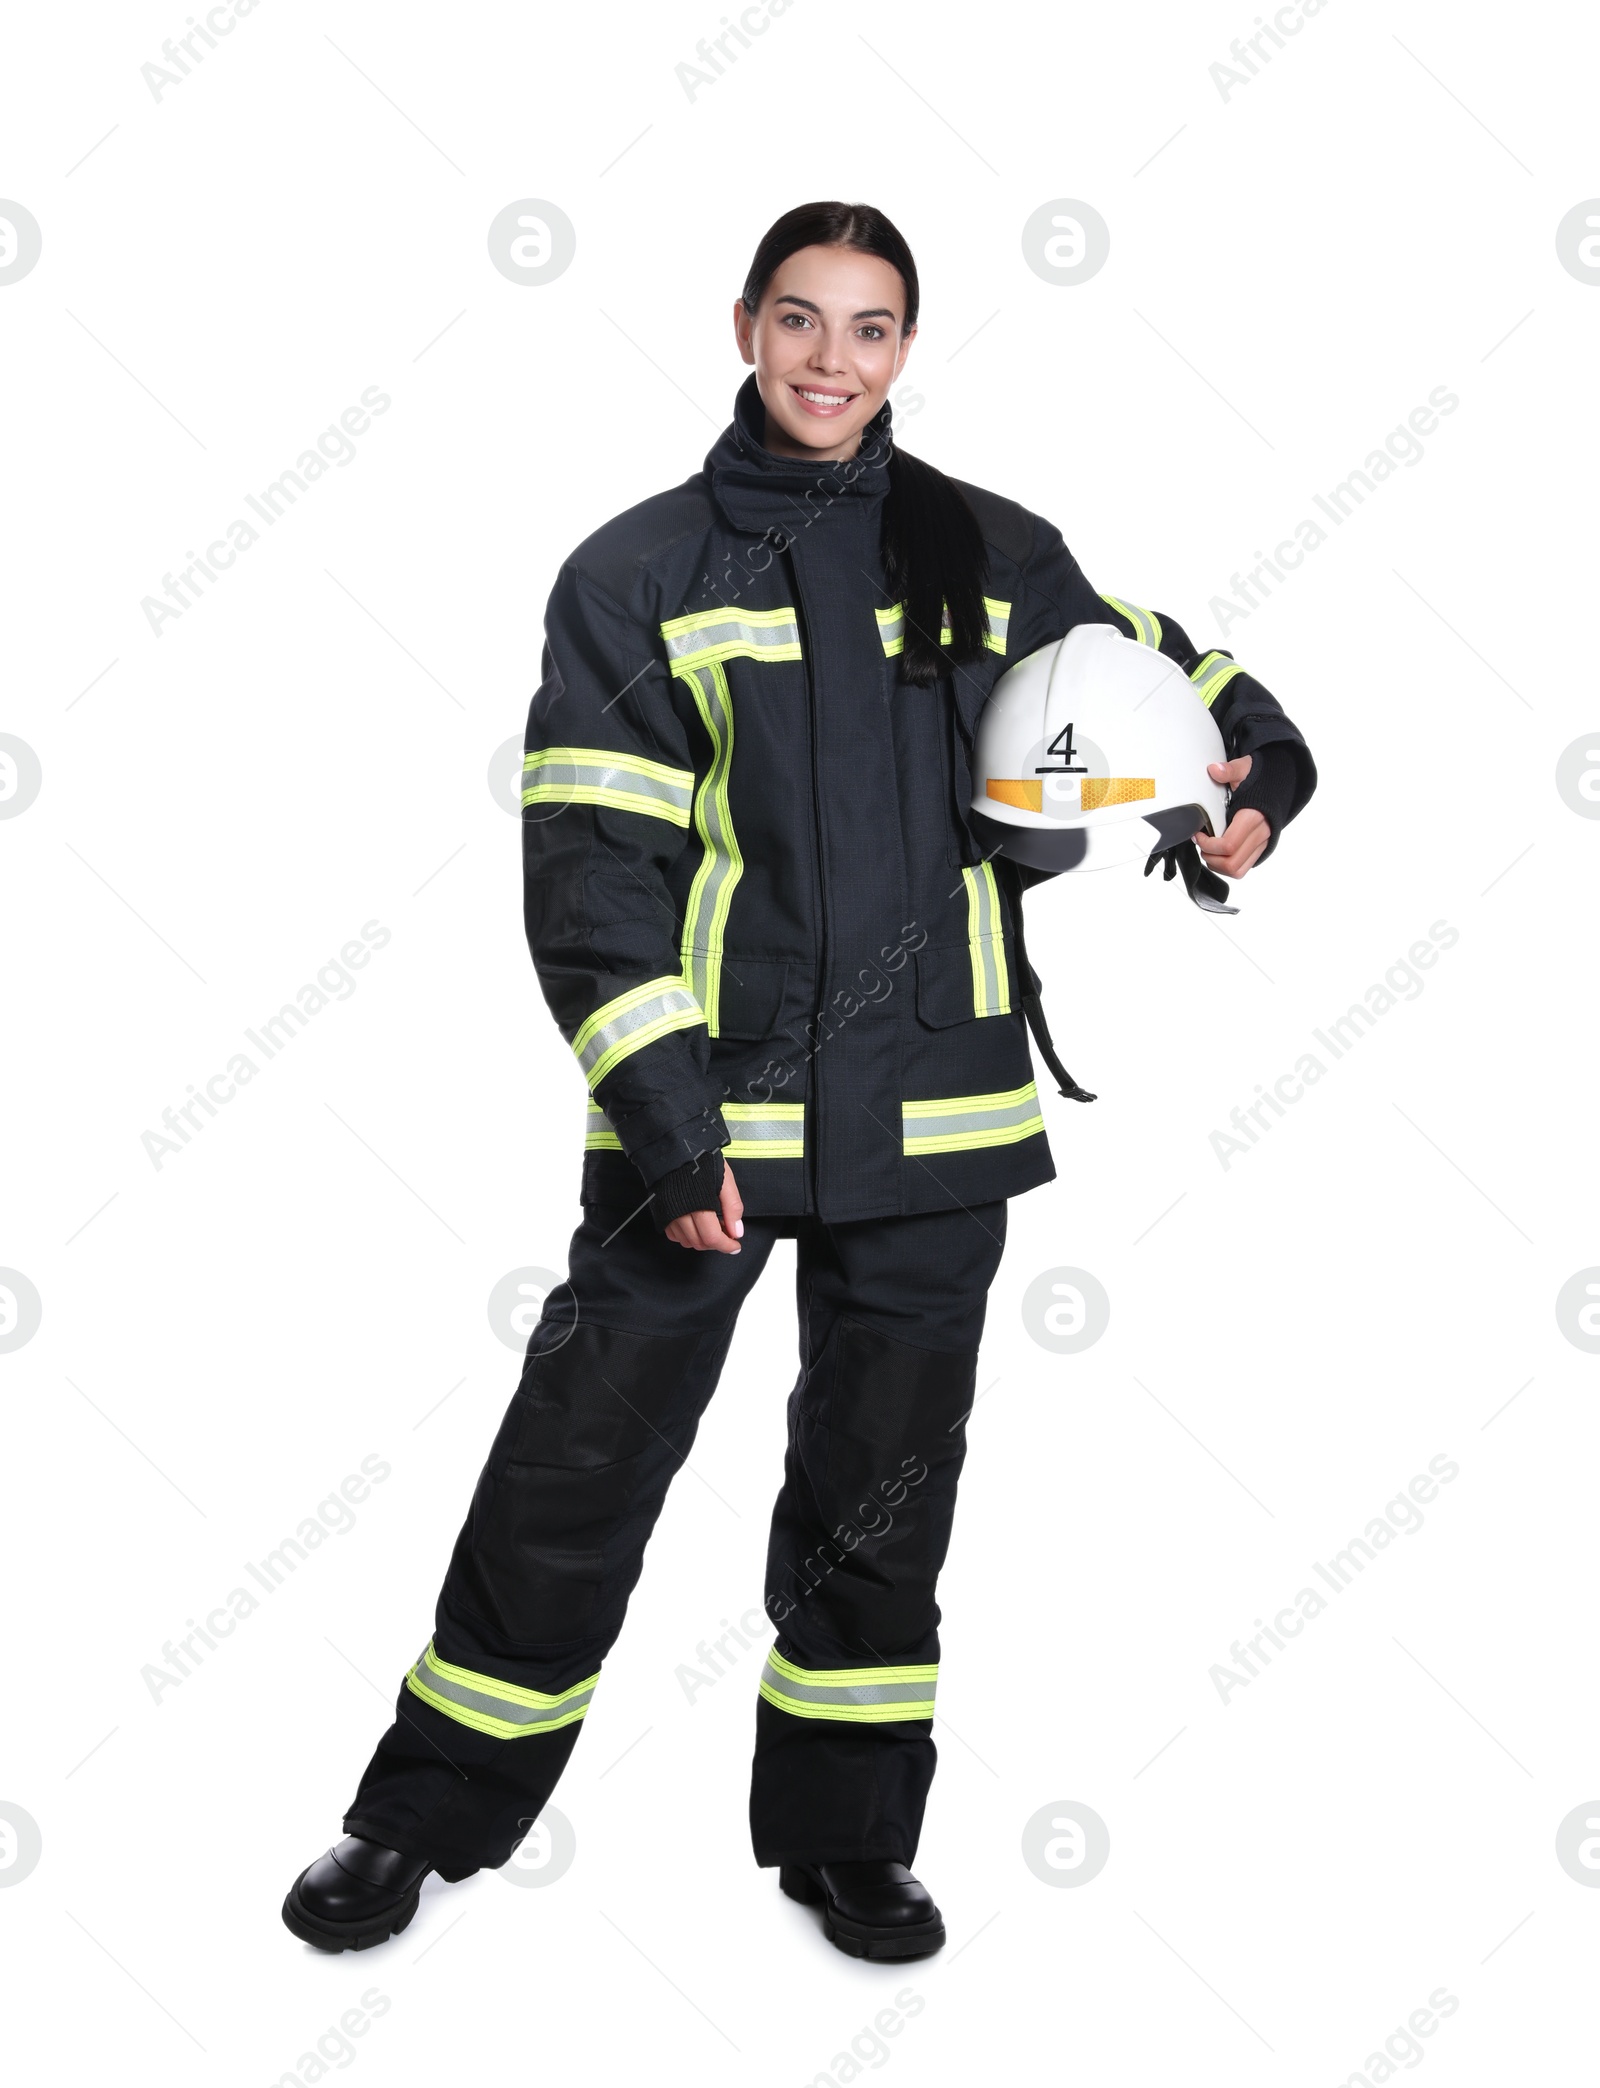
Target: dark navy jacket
756,908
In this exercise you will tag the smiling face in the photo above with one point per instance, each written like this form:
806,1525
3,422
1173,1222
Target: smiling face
827,343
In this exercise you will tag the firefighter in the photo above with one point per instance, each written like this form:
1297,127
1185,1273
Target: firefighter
794,983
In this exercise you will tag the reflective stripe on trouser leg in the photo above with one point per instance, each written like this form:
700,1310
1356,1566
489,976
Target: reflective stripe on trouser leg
859,1696
491,1706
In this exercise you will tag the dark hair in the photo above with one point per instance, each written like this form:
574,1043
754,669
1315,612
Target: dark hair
933,550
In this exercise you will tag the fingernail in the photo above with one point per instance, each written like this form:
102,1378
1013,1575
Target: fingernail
738,1228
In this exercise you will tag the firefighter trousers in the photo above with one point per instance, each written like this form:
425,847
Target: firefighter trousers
619,1370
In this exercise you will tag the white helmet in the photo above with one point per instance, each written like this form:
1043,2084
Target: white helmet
1093,751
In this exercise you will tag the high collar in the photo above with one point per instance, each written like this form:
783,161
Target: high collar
758,490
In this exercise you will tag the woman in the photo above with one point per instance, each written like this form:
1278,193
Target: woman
794,986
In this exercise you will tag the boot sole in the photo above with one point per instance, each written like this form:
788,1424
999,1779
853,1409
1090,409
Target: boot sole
334,1936
855,1938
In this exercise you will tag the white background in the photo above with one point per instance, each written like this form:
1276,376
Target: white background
1293,268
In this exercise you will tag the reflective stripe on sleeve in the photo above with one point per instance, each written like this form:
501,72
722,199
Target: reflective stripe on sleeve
731,634
596,776
957,1123
858,1696
991,983
1146,626
1213,675
598,1136
631,1021
761,1131
491,1706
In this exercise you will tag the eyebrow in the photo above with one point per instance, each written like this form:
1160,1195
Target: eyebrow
877,312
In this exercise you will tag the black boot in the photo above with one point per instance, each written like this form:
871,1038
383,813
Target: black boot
870,1910
356,1895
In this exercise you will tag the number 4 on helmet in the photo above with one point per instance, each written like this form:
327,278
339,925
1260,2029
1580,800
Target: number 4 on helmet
1093,751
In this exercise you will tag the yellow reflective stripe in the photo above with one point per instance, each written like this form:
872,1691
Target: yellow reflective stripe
856,1696
598,1135
958,1123
635,1018
892,627
705,917
991,983
761,1130
486,1704
598,776
1213,675
730,634
765,1130
1146,625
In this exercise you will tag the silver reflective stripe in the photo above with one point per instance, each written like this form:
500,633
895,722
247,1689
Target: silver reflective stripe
851,1695
990,995
1145,626
1212,676
999,623
957,1122
892,629
632,1020
705,916
976,1119
765,1130
509,1715
598,1135
757,1130
573,775
728,635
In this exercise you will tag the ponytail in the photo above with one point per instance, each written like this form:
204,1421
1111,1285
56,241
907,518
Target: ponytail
935,562
933,550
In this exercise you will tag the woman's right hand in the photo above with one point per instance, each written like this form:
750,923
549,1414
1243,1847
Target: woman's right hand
718,1230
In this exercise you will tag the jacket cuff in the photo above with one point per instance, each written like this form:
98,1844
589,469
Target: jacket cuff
655,1151
1271,788
695,1186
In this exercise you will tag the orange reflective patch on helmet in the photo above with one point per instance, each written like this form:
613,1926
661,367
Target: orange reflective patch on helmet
1095,791
1025,792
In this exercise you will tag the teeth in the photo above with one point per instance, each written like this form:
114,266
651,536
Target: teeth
825,398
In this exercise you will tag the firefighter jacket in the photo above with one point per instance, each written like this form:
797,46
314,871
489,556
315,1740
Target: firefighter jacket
753,900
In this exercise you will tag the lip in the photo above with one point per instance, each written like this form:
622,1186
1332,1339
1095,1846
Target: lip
844,399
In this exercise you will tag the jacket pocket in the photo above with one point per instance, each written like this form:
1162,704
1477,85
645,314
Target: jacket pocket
948,988
750,997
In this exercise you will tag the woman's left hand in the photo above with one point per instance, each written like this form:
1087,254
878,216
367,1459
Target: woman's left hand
1247,833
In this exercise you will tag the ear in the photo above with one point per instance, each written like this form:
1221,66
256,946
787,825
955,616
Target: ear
743,330
905,350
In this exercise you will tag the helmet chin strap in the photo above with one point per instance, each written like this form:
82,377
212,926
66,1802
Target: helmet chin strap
1176,852
1204,886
